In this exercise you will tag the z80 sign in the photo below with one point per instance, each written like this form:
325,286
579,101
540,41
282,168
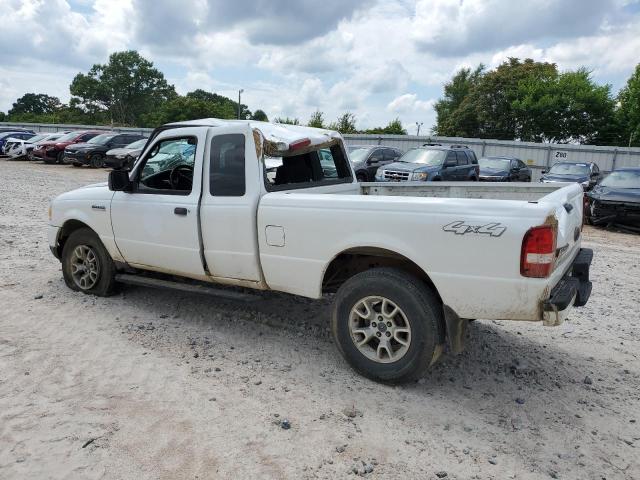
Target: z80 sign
559,156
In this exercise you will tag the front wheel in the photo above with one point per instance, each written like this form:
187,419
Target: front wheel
388,325
86,265
96,161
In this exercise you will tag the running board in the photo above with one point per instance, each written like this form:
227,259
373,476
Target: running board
185,287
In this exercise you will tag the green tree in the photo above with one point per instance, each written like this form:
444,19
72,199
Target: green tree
455,102
394,127
35,103
223,101
3,117
287,120
316,120
126,88
188,108
345,124
260,116
629,110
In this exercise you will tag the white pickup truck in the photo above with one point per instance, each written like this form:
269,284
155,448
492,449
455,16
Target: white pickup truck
277,207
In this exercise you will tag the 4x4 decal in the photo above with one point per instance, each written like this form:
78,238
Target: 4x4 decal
461,228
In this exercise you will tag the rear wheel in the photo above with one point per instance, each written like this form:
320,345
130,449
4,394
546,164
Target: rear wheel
388,325
86,265
361,177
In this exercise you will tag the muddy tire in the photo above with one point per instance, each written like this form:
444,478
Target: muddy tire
86,265
96,161
388,325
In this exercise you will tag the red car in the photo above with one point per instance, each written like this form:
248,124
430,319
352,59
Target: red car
52,152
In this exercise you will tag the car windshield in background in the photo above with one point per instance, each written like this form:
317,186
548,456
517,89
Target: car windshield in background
495,163
425,157
101,139
68,137
37,138
570,169
137,144
359,154
622,179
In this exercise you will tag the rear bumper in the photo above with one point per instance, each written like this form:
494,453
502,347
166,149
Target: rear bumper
573,290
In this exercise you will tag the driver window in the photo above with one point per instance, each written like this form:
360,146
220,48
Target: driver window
169,167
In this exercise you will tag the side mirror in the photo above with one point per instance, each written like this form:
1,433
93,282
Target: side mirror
119,181
543,172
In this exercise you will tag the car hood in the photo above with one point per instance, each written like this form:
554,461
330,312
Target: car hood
81,147
494,172
411,167
124,151
610,194
565,178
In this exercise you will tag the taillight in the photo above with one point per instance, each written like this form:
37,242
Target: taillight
538,252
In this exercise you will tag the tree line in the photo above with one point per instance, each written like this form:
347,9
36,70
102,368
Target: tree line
519,100
533,101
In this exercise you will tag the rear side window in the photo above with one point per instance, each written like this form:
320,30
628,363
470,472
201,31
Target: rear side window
390,154
87,136
462,158
472,157
226,167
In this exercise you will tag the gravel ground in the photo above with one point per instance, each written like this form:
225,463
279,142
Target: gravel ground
156,384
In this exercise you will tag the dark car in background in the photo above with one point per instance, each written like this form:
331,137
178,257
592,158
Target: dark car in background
93,152
53,152
616,199
432,162
124,157
503,169
366,159
586,174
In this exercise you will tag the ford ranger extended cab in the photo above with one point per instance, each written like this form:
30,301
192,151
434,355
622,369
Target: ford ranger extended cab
277,207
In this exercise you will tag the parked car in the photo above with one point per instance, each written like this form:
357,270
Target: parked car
124,157
432,162
586,174
402,259
50,137
92,153
503,169
366,159
616,199
17,148
53,151
6,136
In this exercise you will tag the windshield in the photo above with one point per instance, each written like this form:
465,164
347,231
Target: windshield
622,179
137,144
425,157
495,163
359,154
37,138
101,139
68,137
569,169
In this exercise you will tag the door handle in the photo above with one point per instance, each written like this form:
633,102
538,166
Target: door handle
180,211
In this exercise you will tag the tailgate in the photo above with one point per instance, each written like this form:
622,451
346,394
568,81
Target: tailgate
568,203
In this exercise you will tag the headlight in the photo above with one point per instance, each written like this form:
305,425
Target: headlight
419,176
585,184
380,175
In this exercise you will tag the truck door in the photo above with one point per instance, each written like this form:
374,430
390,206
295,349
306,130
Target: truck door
450,167
231,192
156,225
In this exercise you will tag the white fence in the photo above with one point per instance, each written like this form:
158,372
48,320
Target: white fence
537,155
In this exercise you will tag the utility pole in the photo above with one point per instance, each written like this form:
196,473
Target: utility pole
239,104
419,124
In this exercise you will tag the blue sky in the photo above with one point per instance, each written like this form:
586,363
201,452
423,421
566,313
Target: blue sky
378,59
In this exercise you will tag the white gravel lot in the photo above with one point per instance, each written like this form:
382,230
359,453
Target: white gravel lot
151,384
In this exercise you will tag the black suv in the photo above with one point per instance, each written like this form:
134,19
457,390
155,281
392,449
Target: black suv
93,152
433,162
366,159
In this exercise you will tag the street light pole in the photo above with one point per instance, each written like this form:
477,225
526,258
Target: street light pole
239,104
419,125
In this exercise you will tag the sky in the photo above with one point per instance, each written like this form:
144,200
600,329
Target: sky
379,59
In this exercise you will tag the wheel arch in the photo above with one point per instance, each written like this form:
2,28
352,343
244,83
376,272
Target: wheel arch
355,260
68,227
